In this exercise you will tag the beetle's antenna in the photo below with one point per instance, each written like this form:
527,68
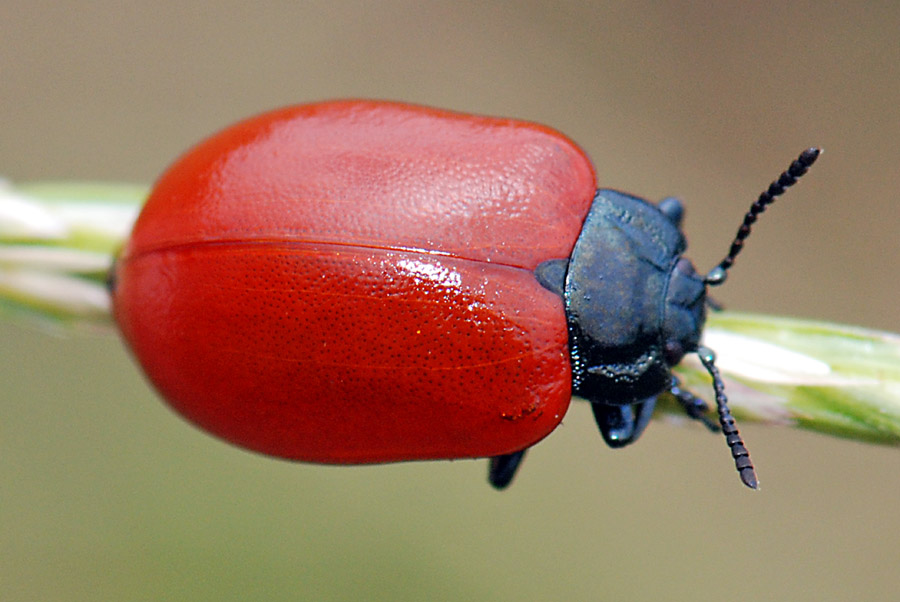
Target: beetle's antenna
726,420
787,179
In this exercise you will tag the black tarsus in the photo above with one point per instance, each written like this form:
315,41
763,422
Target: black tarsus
692,405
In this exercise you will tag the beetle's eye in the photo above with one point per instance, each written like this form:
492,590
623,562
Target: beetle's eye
673,352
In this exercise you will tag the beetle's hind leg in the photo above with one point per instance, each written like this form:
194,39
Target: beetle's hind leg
503,468
693,406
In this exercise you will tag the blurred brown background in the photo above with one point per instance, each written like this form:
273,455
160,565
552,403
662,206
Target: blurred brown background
106,495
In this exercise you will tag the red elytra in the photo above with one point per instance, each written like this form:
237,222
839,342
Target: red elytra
352,282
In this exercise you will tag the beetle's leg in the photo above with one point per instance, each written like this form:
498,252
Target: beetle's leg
673,209
713,304
623,424
693,406
503,468
111,277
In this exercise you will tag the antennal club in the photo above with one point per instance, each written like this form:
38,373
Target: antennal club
787,179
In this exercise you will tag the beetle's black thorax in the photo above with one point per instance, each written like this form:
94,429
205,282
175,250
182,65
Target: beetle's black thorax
633,305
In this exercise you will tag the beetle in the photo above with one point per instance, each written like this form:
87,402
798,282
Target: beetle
357,281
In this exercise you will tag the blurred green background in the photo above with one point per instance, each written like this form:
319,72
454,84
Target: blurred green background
106,495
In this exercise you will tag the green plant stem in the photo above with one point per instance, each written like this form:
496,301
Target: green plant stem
58,240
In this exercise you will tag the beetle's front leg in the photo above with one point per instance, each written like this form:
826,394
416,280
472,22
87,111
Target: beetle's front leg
693,406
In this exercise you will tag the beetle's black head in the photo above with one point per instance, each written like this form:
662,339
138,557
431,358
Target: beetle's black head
634,306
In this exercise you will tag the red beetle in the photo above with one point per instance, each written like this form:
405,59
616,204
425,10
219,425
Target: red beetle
363,282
